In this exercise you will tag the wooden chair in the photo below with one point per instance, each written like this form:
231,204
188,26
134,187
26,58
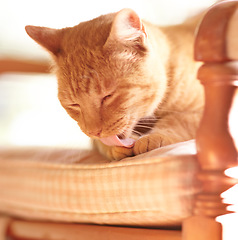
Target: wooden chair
217,46
18,65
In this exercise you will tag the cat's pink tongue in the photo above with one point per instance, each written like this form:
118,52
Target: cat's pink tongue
116,141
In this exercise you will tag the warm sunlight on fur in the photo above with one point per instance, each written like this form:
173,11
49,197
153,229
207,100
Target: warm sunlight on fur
123,79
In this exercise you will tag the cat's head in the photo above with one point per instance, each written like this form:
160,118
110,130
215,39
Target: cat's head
106,72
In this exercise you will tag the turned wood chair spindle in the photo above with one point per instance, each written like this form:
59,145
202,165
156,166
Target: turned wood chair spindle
216,45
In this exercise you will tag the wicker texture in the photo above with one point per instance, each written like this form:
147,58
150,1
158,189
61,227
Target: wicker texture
153,189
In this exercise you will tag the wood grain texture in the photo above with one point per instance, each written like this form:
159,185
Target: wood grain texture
216,150
211,41
53,231
14,65
232,35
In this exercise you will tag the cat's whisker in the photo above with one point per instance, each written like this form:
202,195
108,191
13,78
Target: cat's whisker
146,119
137,133
149,118
179,112
164,110
143,126
146,122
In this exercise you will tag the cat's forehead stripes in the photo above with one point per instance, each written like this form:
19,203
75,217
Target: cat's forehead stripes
135,86
89,83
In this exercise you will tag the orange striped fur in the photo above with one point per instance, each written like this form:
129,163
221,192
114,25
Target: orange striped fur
120,75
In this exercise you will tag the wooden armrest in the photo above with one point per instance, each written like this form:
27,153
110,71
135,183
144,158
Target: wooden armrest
13,65
18,229
216,45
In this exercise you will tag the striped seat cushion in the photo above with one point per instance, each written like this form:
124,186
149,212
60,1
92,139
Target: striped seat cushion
69,185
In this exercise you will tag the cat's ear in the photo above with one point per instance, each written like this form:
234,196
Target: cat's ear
48,38
127,28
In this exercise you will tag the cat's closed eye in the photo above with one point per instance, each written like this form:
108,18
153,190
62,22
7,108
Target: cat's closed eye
106,98
74,105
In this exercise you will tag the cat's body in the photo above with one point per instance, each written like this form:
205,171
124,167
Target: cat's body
120,77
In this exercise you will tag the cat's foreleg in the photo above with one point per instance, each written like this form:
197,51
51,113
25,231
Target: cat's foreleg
171,129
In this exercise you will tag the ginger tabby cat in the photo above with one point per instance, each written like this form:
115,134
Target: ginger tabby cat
130,85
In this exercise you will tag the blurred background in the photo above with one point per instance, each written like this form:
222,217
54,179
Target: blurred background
30,113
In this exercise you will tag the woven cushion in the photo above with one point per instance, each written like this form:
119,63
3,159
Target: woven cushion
152,189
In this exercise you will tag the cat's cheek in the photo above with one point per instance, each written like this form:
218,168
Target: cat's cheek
72,113
82,128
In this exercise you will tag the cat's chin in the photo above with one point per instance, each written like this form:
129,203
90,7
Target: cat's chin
115,140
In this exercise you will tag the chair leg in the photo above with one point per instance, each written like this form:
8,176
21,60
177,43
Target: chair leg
201,228
216,150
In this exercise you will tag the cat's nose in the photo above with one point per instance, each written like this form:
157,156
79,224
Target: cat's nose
95,133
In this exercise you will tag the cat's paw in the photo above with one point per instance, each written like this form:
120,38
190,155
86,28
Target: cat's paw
113,152
118,153
147,143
